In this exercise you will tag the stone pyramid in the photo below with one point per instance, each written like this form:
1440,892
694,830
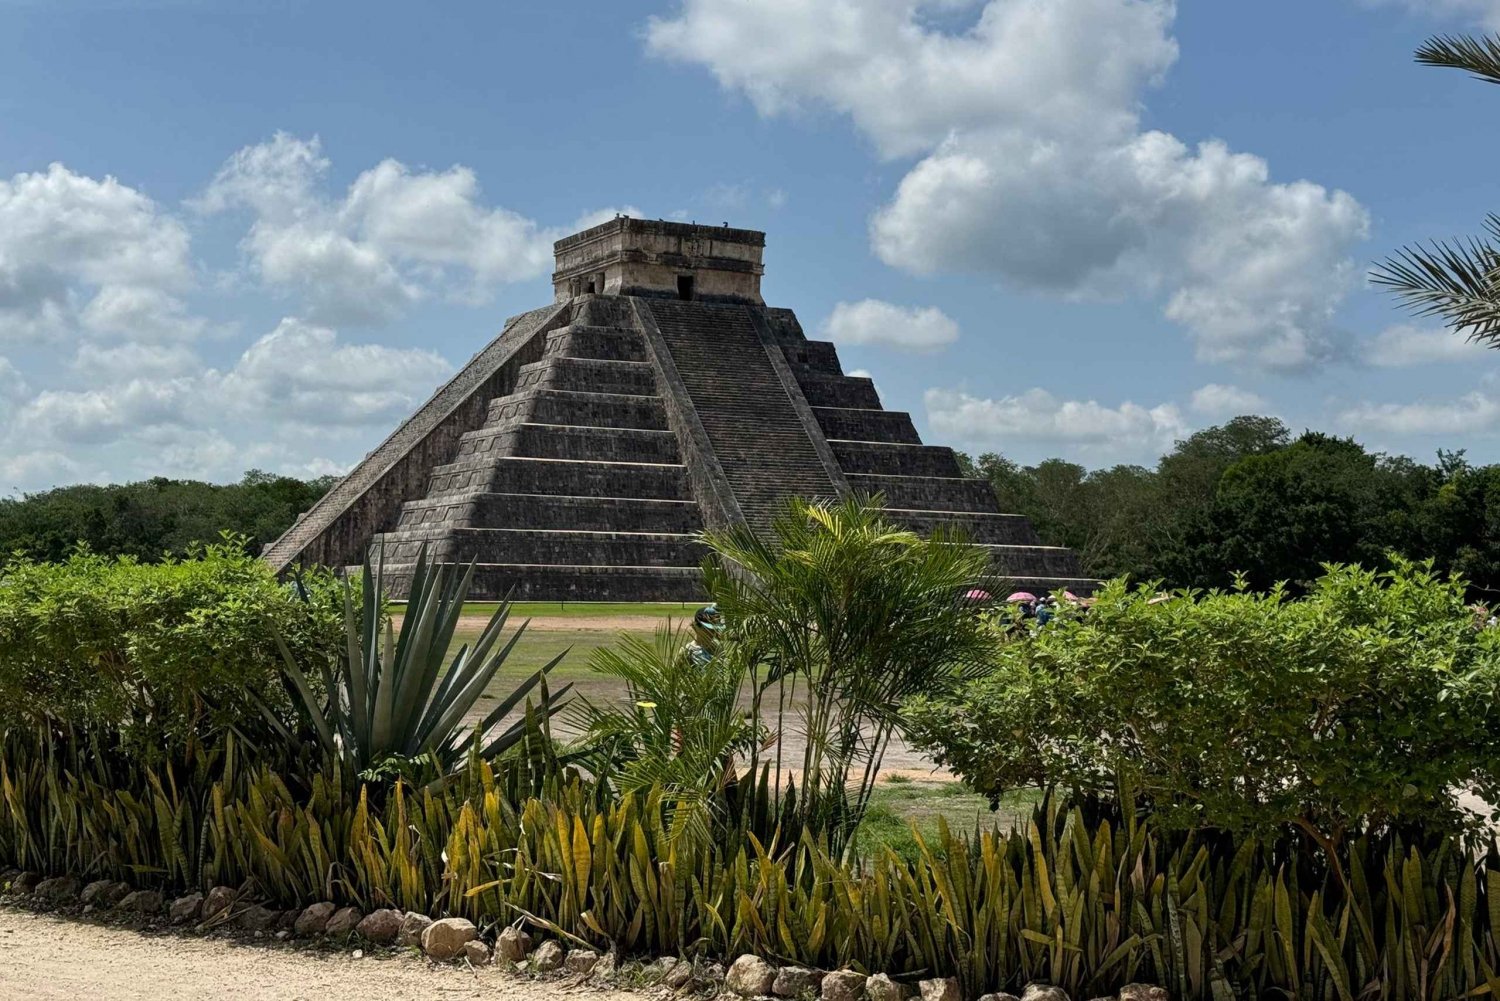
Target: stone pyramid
576,456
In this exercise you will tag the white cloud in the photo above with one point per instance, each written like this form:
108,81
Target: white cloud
396,236
300,373
1468,414
871,321
1481,13
134,360
1034,169
1406,344
76,252
97,416
1126,431
1216,400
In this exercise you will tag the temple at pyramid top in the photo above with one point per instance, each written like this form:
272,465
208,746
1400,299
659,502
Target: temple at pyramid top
578,455
676,260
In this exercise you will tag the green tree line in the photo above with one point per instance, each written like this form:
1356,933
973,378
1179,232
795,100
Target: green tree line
153,518
1248,497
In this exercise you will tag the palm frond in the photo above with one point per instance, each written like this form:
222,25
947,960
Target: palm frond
1458,282
1479,54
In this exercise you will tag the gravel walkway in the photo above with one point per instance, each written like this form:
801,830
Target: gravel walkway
47,958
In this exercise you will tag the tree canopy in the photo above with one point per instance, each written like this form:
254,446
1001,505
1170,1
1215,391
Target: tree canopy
153,518
1246,497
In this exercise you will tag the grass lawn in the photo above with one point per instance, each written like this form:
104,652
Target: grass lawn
899,803
582,609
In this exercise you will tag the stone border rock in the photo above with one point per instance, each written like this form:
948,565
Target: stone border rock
456,939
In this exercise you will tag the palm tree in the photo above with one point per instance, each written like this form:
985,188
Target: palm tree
845,615
1457,281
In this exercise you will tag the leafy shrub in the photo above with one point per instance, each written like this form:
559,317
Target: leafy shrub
159,654
1374,701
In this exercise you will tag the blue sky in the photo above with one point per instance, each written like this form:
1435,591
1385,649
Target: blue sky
238,235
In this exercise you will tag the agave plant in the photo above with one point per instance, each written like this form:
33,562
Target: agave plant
391,701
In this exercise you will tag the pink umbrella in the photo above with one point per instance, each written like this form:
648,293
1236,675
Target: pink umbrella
1070,596
1022,596
977,595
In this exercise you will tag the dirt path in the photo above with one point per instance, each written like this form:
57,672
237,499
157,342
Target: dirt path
46,958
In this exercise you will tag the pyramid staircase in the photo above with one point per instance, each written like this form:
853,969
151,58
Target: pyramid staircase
573,489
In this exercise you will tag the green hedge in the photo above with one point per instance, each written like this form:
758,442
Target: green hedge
153,656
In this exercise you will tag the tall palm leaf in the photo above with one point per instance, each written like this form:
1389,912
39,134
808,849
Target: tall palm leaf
1457,281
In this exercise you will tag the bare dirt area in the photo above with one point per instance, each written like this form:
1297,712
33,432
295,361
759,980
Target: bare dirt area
47,958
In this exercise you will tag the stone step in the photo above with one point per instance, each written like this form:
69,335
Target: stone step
562,477
824,390
608,343
1000,529
589,375
585,582
854,424
543,547
1035,561
582,513
895,459
816,356
561,441
560,406
927,493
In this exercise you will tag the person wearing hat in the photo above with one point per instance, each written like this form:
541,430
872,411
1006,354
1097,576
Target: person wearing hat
707,625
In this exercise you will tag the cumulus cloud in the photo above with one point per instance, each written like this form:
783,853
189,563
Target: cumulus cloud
1038,416
301,373
1405,345
1467,414
909,328
96,416
1216,400
1034,169
395,236
86,256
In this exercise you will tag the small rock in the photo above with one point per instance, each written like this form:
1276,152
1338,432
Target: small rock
1143,992
523,965
843,985
998,997
380,927
512,945
59,889
344,921
750,976
678,975
548,956
217,901
185,909
1044,992
795,981
882,988
283,935
945,989
313,919
259,918
412,927
25,883
142,902
88,909
444,939
581,961
476,952
359,954
97,891
708,975
656,971
607,967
